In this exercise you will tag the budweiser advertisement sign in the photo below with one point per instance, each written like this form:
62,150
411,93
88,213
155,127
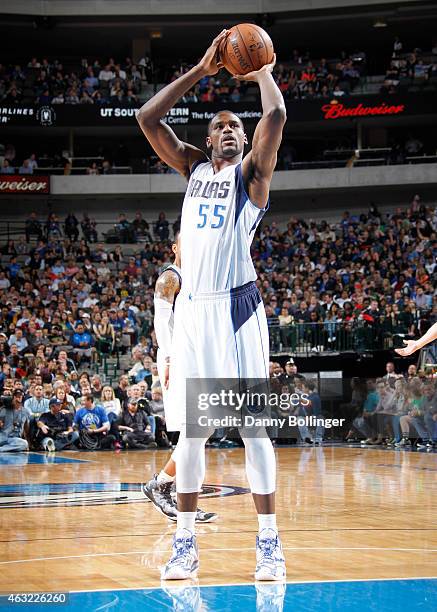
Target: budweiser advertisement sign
337,110
24,184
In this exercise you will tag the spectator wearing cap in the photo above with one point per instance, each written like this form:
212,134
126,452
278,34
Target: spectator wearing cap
85,319
55,428
14,420
135,428
291,373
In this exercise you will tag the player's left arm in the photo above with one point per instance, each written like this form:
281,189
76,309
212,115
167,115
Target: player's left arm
259,164
166,289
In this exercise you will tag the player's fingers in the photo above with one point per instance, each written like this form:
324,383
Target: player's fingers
220,37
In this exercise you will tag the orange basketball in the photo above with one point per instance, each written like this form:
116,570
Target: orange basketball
247,47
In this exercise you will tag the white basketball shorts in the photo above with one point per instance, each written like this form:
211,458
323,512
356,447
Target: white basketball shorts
217,335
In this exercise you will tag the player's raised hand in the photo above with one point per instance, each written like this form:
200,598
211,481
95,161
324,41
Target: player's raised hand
210,62
410,348
256,74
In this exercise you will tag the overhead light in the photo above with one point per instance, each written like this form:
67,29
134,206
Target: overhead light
379,23
156,34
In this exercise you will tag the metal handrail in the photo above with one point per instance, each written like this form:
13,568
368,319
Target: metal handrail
332,337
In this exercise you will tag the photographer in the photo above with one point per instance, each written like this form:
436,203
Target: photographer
55,428
13,423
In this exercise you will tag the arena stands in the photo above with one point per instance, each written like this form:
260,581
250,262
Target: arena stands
300,76
77,321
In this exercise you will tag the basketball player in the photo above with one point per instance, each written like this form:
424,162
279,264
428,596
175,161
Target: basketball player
167,287
220,328
414,345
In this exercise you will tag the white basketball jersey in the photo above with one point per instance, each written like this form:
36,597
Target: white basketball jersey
217,228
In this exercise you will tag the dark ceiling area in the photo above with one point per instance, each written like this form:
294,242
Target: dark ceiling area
322,33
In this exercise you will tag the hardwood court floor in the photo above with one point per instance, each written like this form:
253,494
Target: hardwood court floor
343,513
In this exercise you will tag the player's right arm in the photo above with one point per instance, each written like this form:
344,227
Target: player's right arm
173,151
166,290
414,345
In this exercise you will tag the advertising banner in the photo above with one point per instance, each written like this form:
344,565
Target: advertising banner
334,110
13,183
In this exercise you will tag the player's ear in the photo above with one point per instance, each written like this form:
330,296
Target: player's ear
208,142
246,140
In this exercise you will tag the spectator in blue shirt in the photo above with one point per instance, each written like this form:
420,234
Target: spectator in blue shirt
82,343
26,168
92,422
7,168
19,340
14,268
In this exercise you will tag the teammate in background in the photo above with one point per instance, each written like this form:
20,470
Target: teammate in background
414,345
220,326
167,287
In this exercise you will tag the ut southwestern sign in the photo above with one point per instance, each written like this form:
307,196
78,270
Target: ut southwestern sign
342,110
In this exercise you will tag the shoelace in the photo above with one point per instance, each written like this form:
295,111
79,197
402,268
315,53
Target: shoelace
268,546
181,549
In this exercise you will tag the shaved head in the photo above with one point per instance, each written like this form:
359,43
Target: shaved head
221,114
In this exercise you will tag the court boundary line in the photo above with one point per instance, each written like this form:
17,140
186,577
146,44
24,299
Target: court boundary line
253,583
146,552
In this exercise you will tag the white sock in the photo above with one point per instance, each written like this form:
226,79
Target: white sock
267,521
186,520
163,477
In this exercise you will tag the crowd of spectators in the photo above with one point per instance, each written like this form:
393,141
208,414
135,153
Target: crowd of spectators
377,270
9,164
67,301
395,410
90,82
299,76
49,82
122,231
304,79
410,69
